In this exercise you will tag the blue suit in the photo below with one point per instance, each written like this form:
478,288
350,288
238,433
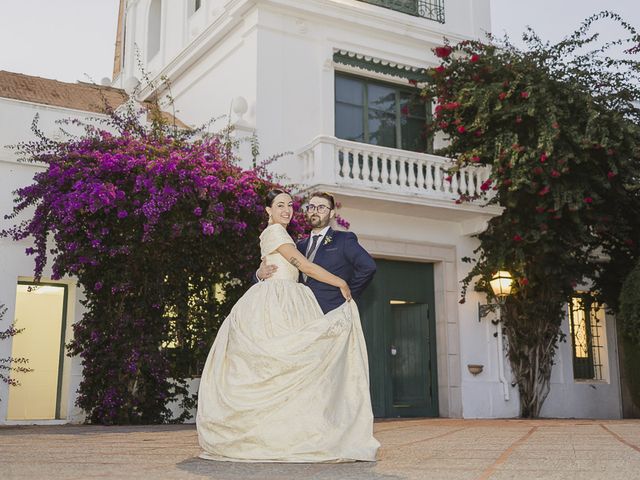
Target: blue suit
340,254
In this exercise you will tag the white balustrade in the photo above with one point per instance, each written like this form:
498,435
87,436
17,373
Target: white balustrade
331,161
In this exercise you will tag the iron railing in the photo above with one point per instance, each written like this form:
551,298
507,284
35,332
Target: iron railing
430,9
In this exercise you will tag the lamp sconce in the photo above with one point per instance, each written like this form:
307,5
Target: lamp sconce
484,310
475,368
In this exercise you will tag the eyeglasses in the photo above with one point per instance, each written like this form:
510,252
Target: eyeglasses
317,208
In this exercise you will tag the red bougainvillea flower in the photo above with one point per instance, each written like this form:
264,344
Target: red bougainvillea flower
474,58
540,209
544,191
478,133
517,238
538,171
502,95
443,125
461,129
587,200
440,69
448,178
413,82
524,95
555,173
518,119
507,182
475,159
524,282
543,158
486,185
443,52
555,125
611,175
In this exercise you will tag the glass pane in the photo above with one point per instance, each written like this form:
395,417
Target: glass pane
382,98
413,134
349,90
411,106
382,129
349,122
579,328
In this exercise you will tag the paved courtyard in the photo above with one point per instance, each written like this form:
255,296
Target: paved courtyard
411,449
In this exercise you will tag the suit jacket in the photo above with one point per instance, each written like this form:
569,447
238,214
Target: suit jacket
341,254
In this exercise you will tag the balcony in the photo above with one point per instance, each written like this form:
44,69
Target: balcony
382,174
429,9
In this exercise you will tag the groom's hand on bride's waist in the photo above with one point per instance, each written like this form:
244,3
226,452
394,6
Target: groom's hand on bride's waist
265,271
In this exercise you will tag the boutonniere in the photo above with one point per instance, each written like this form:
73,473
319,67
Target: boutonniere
327,240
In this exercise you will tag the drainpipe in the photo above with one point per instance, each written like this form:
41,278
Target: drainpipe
501,375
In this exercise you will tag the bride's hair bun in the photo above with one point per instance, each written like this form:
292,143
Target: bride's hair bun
271,196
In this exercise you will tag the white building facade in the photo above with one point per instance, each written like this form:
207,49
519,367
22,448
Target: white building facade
329,81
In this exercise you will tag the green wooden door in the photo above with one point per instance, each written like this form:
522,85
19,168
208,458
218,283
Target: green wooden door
399,327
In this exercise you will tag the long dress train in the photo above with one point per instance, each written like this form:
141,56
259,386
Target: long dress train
283,382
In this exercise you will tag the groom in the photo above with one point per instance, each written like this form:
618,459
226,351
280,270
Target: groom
338,252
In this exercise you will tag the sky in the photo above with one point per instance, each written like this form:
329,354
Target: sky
72,40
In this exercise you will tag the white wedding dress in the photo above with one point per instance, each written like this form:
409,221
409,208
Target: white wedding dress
284,382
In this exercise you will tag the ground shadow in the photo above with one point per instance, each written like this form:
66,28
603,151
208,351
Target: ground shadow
283,471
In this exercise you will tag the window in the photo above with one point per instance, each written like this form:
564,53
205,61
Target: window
378,113
197,5
586,330
154,28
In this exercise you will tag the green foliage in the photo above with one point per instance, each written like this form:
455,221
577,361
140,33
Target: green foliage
559,125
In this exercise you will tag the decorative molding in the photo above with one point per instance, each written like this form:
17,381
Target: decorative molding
379,65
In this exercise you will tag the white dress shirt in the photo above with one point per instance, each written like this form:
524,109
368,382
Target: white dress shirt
322,234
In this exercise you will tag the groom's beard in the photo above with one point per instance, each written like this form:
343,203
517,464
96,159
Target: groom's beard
317,222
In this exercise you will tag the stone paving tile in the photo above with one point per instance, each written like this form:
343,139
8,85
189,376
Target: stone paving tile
411,450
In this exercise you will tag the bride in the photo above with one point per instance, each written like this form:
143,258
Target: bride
283,382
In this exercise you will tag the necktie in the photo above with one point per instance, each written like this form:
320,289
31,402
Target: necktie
314,243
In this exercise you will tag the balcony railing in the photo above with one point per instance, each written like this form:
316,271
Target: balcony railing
431,9
332,161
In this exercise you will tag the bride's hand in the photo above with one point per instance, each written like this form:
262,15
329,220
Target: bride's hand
346,292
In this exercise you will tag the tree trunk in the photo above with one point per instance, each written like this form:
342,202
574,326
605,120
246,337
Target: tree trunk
532,333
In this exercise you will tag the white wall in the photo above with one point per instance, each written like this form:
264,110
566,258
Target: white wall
181,27
593,399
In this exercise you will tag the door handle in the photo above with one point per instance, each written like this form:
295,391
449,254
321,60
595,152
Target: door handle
393,350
